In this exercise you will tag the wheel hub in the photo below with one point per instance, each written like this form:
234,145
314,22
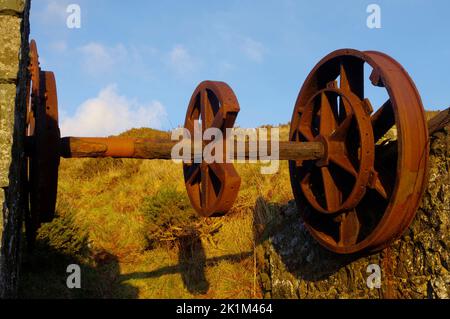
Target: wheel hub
332,117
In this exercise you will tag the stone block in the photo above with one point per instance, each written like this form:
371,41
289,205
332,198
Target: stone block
13,6
9,48
7,102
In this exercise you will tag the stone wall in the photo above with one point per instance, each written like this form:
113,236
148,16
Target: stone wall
293,265
14,31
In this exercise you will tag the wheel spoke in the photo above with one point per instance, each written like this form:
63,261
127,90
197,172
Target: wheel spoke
340,134
304,180
332,193
327,115
194,115
345,109
196,110
347,106
307,191
352,76
383,120
383,181
218,120
189,125
218,170
206,111
304,127
306,132
379,187
192,173
349,228
342,161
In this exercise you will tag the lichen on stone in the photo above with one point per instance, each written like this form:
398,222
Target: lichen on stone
7,102
296,266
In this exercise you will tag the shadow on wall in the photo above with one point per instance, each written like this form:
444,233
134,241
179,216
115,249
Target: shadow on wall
300,253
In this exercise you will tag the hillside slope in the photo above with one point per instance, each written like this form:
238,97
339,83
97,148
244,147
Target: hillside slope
129,225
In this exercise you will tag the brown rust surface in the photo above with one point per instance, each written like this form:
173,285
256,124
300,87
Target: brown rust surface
212,188
390,177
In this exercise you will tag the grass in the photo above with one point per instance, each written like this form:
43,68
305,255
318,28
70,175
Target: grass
114,217
129,225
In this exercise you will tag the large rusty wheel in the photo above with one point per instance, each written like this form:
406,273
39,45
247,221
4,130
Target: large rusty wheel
212,188
364,193
43,136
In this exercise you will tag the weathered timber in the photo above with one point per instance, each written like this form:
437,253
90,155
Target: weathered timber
75,147
439,121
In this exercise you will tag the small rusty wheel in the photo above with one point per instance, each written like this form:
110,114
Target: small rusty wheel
43,136
212,188
365,191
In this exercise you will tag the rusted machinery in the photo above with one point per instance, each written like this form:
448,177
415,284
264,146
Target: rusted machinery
354,191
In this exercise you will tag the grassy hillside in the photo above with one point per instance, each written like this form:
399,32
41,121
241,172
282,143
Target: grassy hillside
129,224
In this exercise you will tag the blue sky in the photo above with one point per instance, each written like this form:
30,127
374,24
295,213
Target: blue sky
138,64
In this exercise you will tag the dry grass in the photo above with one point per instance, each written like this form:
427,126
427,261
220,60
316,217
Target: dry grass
102,226
101,203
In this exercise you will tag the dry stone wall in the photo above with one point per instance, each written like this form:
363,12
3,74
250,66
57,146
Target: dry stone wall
293,265
14,32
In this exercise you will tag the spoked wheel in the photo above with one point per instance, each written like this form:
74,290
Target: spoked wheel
33,95
212,188
43,136
364,193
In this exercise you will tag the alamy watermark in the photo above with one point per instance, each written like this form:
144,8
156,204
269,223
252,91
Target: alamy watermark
74,279
374,279
211,146
73,20
374,19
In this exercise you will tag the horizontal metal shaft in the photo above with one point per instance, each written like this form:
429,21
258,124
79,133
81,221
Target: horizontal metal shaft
77,147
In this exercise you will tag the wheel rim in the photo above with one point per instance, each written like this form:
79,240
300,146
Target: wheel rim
397,171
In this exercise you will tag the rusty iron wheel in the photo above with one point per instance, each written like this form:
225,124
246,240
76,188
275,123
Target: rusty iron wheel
43,136
364,193
47,137
212,188
33,96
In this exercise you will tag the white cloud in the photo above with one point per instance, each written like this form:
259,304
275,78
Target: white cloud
110,114
181,61
254,50
54,11
99,59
